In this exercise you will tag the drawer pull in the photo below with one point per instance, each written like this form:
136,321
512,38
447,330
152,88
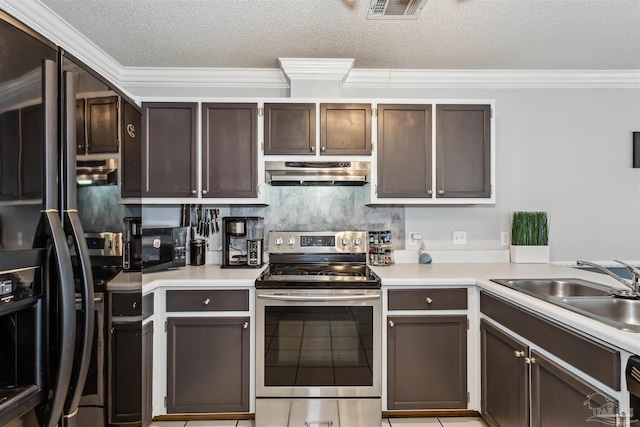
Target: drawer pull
391,324
245,325
519,353
428,300
206,301
530,360
135,304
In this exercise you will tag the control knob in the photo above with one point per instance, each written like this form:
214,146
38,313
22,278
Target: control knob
356,242
278,241
344,241
291,241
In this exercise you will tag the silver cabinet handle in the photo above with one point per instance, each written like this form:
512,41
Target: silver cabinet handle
530,360
429,192
245,325
318,298
519,353
312,149
135,304
323,149
204,192
391,324
194,192
206,301
428,300
318,424
440,191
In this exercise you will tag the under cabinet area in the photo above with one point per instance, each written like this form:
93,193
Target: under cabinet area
427,353
521,382
208,344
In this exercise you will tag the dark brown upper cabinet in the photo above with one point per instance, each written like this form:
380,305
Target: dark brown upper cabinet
290,129
10,155
345,129
229,150
131,151
80,131
169,159
463,151
404,150
102,125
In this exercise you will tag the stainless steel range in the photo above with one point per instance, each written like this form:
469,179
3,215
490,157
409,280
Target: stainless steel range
318,347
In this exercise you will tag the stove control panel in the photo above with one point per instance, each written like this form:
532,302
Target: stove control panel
288,242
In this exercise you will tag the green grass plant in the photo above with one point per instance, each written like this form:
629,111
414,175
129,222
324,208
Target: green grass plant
530,229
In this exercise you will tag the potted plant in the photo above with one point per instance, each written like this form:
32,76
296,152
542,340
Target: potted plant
529,237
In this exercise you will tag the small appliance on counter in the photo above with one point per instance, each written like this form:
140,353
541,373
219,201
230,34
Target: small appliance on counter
163,248
380,248
242,242
132,244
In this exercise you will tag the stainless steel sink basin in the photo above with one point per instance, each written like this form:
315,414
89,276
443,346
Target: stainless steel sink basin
583,297
559,288
617,312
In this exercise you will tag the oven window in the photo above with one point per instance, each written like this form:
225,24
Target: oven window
318,346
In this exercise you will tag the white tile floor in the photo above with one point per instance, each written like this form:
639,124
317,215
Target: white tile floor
392,422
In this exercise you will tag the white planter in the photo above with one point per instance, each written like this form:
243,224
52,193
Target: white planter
529,254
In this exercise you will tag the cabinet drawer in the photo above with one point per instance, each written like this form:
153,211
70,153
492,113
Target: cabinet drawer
147,306
209,300
126,304
602,362
428,299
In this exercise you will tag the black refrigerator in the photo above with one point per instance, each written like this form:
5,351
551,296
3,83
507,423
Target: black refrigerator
46,321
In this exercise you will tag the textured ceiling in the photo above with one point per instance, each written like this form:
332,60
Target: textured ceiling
450,34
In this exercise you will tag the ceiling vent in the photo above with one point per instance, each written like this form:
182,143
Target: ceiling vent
395,9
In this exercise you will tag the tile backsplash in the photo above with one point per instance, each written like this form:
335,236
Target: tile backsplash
326,208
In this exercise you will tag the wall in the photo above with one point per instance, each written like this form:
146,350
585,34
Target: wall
564,151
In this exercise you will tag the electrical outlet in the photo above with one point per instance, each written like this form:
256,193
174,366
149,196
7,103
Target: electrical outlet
504,238
459,238
413,238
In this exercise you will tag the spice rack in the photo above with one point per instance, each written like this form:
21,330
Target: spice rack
380,248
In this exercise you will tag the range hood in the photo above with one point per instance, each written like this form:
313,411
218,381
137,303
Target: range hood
317,173
97,172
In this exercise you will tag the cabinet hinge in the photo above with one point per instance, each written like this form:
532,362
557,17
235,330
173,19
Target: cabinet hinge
118,105
468,397
165,401
165,325
374,112
373,147
492,112
260,111
467,324
262,146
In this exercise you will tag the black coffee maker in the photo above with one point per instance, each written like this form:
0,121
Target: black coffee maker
132,244
242,241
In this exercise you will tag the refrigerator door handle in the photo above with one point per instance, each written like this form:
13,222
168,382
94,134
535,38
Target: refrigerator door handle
73,227
66,317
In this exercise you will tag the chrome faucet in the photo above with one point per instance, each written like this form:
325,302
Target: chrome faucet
634,285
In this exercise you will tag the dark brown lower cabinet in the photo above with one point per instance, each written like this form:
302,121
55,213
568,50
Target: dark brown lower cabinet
208,364
125,378
147,373
558,397
505,379
426,362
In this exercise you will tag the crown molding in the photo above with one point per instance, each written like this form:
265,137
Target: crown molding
316,68
497,79
203,77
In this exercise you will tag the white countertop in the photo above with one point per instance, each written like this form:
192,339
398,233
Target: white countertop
126,281
441,274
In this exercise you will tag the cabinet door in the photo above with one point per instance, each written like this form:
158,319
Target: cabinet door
147,373
208,365
169,149
131,152
404,151
125,376
345,129
102,125
9,155
427,362
505,378
463,151
32,157
81,145
290,129
229,150
559,398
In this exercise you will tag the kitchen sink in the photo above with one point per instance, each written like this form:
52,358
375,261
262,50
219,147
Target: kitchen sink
583,297
556,287
617,312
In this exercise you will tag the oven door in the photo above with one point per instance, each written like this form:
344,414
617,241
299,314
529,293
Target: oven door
318,343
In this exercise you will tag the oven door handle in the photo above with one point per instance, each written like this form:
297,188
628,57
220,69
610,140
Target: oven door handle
284,297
